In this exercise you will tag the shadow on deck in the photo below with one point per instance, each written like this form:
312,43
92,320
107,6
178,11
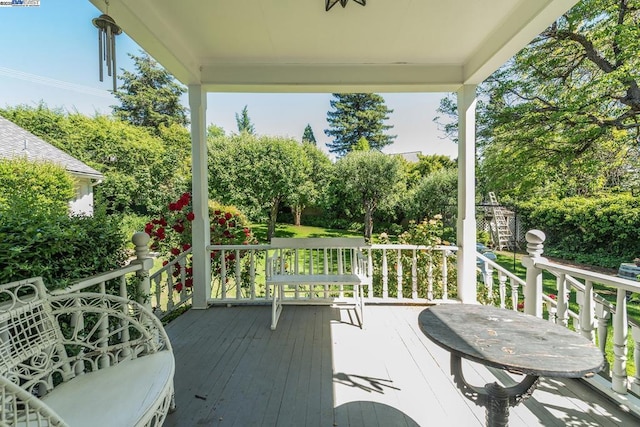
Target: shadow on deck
318,369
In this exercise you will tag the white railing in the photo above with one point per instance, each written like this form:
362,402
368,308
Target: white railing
166,296
424,274
593,315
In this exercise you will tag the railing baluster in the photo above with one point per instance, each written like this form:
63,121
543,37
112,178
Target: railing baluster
502,288
587,318
238,275
399,274
445,278
635,334
488,280
414,274
430,279
158,291
603,313
252,273
223,274
561,298
385,275
170,303
370,270
620,333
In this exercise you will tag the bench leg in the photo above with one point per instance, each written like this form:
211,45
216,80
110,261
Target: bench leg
276,305
172,404
359,308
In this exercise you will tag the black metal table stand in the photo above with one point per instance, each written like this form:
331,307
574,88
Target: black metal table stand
494,397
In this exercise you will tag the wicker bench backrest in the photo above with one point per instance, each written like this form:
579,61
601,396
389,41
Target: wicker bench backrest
30,350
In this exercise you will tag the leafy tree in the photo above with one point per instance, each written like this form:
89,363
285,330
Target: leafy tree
150,96
257,174
214,131
369,179
433,194
354,116
428,164
244,122
563,115
308,135
311,190
361,145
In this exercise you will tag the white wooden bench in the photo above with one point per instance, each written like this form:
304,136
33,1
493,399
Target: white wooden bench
317,271
81,359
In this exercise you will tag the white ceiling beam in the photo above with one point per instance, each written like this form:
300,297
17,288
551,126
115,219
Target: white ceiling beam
331,78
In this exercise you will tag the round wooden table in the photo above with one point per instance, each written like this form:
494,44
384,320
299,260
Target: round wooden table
508,340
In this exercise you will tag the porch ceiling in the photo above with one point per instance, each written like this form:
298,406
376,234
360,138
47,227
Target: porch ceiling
295,46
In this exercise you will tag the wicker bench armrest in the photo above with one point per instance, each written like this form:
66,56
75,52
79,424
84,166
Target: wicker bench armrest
19,407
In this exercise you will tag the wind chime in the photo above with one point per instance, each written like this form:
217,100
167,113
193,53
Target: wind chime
107,32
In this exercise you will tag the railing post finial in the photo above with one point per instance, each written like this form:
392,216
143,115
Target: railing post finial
533,288
141,241
535,240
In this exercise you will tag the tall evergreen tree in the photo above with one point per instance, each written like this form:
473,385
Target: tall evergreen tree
244,122
150,96
354,116
308,135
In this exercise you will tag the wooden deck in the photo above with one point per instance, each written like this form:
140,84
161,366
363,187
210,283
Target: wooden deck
318,369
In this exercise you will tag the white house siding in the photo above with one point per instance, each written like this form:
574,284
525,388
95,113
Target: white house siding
82,204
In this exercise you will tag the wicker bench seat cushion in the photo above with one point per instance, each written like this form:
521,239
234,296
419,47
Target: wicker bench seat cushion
121,395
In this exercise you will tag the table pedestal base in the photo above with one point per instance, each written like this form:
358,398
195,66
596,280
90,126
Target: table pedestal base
494,397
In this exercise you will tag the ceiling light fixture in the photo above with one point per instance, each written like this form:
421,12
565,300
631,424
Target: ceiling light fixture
330,3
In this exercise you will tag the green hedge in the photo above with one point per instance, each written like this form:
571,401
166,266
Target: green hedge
42,186
60,248
602,231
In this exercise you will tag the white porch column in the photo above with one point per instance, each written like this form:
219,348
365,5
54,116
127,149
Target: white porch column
466,233
200,192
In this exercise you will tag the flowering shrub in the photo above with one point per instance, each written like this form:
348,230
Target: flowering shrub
171,236
228,226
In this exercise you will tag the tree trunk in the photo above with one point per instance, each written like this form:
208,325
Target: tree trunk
271,229
368,223
297,213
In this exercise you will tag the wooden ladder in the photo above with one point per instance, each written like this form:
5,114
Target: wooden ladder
502,235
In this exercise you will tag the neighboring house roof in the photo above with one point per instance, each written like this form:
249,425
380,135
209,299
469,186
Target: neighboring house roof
16,142
410,156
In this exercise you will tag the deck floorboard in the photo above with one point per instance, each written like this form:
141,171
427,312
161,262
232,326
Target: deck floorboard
318,368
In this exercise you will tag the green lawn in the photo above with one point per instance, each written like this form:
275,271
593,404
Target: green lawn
289,230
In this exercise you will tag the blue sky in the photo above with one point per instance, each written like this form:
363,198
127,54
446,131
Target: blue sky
50,54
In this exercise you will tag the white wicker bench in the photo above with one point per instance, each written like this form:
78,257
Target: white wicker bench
317,271
81,359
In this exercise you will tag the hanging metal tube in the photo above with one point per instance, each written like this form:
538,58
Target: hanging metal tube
107,30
